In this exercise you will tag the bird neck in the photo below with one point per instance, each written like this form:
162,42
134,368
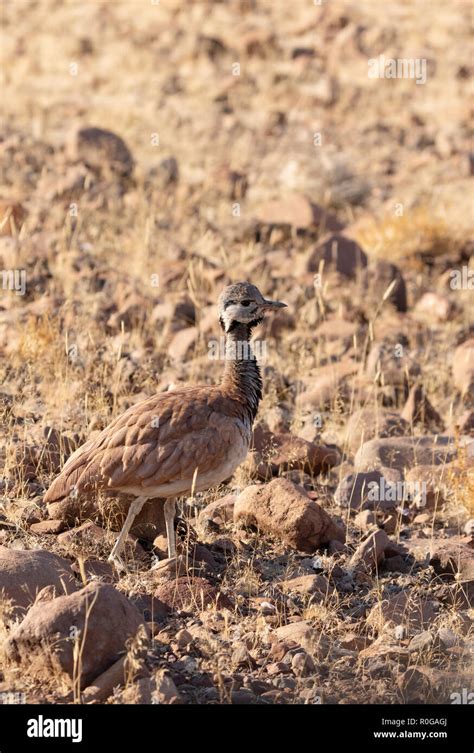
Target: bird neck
242,378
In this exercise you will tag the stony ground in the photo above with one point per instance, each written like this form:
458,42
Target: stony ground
243,140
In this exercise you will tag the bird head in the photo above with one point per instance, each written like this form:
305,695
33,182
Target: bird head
243,303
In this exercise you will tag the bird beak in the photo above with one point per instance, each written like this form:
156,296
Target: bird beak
274,305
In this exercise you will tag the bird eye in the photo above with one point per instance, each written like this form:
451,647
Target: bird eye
245,303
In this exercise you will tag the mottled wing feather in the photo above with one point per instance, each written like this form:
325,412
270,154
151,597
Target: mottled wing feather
155,442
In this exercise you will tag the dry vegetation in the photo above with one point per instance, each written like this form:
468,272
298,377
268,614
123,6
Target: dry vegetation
123,266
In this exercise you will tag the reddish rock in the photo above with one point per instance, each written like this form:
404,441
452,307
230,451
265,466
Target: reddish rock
298,211
284,452
182,343
338,253
111,511
98,618
366,491
371,552
90,535
427,485
405,452
366,424
384,649
418,409
365,520
101,150
218,512
301,633
465,423
434,307
463,368
412,611
24,572
391,365
194,594
454,556
386,282
307,584
282,509
47,526
322,391
177,310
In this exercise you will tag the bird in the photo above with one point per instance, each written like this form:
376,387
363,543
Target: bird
186,440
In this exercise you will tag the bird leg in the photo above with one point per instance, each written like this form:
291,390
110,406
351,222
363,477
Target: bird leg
170,511
133,511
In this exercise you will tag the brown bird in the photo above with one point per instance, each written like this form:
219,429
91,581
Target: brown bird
175,442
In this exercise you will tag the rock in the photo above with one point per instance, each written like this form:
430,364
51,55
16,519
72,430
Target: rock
455,556
165,691
392,367
136,693
160,546
415,685
433,307
463,368
111,511
164,174
151,609
191,593
216,513
354,642
383,649
95,569
366,491
423,641
329,383
414,612
47,526
371,552
298,211
336,330
465,423
302,664
115,676
101,150
366,424
284,452
301,633
241,657
448,638
365,520
283,509
89,535
307,584
182,343
426,485
98,618
339,254
405,452
396,564
384,279
24,572
418,409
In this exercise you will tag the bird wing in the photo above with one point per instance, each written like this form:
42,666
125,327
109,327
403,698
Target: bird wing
156,442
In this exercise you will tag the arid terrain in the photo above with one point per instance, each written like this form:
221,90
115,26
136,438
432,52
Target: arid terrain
151,153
